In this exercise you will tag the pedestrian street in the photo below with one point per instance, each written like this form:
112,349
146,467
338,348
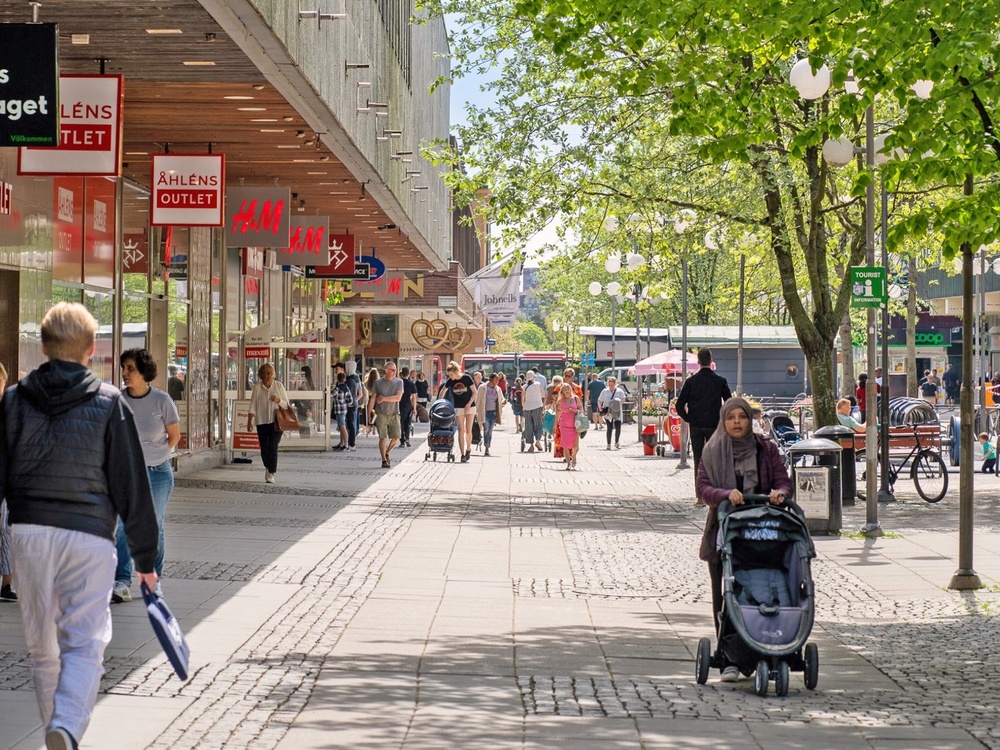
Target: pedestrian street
508,603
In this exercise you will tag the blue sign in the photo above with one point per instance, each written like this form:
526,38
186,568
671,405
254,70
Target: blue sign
587,359
490,342
376,267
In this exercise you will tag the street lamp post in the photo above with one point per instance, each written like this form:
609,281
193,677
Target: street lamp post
612,265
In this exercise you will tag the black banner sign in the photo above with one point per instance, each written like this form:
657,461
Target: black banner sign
29,84
362,271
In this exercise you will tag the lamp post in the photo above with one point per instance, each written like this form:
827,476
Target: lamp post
813,86
612,265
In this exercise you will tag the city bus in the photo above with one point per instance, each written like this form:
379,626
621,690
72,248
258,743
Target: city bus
546,363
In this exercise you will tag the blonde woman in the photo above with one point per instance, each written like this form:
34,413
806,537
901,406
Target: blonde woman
370,380
460,389
268,394
568,405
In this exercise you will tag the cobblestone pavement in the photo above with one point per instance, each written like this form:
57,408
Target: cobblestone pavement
508,603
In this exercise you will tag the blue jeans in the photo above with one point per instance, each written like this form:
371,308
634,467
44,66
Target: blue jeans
161,483
491,419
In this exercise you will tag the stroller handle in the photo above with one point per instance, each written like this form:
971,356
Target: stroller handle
754,498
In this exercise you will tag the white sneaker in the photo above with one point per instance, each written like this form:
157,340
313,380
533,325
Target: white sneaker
730,674
353,449
120,593
269,478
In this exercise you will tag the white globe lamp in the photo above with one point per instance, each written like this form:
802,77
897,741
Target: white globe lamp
613,288
838,151
611,224
635,261
922,88
595,288
613,264
809,85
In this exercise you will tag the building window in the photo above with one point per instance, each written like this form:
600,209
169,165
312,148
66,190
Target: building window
385,329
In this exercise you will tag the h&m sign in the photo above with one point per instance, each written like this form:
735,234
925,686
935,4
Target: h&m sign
258,217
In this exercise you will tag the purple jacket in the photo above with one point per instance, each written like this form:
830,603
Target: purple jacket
773,476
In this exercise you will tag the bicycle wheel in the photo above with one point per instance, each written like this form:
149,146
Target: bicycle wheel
930,476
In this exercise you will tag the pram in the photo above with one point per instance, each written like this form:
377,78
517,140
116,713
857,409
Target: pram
441,437
784,434
768,597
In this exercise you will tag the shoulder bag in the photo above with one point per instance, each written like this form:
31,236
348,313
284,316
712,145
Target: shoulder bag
285,419
580,421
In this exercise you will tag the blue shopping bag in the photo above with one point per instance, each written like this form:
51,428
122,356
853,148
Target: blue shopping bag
167,630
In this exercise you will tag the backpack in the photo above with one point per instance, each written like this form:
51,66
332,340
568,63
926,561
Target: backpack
615,406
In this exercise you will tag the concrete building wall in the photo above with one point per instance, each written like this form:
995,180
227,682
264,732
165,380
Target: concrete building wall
323,53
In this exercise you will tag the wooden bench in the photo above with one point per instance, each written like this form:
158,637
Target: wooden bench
901,439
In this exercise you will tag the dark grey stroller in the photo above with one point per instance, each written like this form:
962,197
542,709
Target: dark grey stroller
768,596
441,437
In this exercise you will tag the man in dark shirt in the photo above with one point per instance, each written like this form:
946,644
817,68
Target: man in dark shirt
700,403
407,407
951,384
594,390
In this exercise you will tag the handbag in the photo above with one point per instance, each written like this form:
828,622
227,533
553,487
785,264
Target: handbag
580,421
549,421
285,418
168,631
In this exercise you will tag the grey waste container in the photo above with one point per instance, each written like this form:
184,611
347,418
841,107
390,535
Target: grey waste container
848,468
816,483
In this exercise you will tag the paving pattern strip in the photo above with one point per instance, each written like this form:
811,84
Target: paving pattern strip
939,653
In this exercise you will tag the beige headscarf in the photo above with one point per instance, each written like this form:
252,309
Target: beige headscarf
725,458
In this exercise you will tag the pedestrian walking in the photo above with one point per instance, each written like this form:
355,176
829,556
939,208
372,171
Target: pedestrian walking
595,388
70,464
568,405
407,407
370,380
386,395
610,407
861,394
989,454
343,400
735,461
951,385
460,389
929,389
357,391
534,405
489,402
423,396
699,401
265,398
517,404
158,425
7,592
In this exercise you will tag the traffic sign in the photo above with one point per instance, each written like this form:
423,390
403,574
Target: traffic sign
490,342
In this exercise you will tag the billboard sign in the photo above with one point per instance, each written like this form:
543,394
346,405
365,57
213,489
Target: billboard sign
29,84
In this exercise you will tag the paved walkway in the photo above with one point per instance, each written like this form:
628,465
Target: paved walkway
508,603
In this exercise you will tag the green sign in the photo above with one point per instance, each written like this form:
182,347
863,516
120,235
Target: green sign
868,288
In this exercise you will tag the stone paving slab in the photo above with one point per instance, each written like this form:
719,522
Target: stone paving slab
508,603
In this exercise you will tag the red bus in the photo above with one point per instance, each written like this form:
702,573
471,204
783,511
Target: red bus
547,363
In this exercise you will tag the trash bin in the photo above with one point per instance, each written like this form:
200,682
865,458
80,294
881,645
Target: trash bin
848,468
648,439
816,482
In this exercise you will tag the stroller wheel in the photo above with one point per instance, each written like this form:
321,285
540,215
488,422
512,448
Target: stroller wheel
427,456
761,678
451,458
781,680
435,457
704,661
811,670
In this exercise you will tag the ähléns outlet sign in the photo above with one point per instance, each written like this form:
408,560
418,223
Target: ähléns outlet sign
188,190
29,84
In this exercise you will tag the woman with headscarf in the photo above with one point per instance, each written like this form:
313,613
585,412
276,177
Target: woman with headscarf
735,461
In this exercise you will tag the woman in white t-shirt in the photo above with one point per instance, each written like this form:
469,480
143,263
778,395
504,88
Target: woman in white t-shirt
609,403
158,425
534,400
268,394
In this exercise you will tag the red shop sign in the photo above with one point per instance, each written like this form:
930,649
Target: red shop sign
188,189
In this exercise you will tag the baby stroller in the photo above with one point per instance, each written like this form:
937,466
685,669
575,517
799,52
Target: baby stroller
768,596
784,433
441,437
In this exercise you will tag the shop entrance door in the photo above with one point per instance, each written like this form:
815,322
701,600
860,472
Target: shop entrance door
304,369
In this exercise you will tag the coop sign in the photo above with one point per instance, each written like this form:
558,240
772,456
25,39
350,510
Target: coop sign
868,287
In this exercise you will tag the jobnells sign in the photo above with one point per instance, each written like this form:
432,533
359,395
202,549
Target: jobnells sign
29,84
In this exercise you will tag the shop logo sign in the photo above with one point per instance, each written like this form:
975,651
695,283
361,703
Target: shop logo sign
65,205
258,217
4,198
307,245
100,216
187,189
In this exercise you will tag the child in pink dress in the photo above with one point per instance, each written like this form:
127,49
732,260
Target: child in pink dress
567,406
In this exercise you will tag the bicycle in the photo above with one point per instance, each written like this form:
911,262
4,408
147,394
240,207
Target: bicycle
927,470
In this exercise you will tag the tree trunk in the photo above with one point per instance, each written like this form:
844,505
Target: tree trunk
911,328
820,360
846,356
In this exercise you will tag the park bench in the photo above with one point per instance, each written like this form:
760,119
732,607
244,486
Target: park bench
901,439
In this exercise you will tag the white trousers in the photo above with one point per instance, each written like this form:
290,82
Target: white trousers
64,581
